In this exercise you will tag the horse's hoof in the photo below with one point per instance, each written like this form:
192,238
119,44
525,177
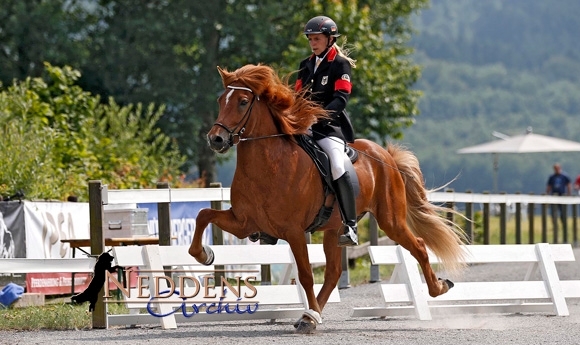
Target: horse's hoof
307,323
210,256
305,326
448,282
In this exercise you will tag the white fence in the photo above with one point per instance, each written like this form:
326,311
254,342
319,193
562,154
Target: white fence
223,194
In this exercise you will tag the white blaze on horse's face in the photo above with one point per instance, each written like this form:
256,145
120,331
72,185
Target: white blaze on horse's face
229,95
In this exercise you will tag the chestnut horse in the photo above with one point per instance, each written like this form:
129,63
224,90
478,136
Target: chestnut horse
277,189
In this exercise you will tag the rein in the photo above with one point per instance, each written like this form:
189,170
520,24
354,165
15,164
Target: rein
236,138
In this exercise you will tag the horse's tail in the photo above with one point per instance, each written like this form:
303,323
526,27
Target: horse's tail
425,219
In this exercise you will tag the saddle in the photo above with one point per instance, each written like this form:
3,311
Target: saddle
322,162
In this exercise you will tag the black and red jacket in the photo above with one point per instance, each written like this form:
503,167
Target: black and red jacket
330,86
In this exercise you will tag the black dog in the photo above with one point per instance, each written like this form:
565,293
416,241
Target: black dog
91,293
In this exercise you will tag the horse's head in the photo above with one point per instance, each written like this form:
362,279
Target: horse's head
256,103
235,108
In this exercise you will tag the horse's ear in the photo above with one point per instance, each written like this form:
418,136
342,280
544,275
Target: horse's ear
222,73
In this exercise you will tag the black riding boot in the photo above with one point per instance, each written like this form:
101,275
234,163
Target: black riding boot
347,204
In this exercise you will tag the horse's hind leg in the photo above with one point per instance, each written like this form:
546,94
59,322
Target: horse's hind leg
401,234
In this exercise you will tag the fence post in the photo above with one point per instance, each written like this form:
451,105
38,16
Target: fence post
218,237
564,216
450,205
99,316
544,223
164,223
344,282
164,218
518,221
531,217
575,225
469,222
503,222
374,241
486,216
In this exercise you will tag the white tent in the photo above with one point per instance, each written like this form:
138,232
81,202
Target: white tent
524,143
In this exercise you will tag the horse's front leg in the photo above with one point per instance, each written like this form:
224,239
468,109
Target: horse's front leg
225,220
312,316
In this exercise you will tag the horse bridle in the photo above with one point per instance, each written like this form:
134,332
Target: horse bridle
242,127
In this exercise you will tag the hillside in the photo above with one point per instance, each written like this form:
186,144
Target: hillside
495,65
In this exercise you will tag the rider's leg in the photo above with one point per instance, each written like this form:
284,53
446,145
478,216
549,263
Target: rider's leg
335,149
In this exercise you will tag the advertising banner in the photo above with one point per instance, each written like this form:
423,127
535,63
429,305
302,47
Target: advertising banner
46,223
12,234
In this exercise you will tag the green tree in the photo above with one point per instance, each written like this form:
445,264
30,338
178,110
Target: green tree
166,52
32,32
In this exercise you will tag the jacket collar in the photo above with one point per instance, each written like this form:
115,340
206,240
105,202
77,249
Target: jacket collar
332,53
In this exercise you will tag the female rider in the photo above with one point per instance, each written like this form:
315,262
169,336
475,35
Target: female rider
326,73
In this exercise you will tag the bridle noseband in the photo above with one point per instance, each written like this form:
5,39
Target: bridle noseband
235,134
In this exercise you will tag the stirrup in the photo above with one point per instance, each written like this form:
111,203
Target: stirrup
349,238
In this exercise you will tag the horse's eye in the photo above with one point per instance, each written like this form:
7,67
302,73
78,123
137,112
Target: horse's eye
244,102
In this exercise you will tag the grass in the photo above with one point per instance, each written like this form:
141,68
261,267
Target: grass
59,315
56,315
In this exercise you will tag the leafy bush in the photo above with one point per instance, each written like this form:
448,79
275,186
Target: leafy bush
56,137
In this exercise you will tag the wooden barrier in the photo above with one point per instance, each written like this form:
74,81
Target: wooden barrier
280,301
25,266
22,265
406,294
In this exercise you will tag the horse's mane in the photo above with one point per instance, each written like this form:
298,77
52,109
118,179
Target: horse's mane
292,112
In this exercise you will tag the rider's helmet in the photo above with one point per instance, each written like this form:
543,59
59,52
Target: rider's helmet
321,25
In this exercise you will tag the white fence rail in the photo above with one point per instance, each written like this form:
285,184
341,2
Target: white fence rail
223,194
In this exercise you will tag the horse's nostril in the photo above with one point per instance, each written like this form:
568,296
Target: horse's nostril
216,139
217,143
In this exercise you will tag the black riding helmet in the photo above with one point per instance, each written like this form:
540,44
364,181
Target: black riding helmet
321,25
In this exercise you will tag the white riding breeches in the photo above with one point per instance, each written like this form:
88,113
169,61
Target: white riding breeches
335,149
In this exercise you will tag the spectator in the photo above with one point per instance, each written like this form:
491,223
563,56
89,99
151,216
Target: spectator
558,184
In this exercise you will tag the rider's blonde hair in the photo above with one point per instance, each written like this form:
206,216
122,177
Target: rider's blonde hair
344,51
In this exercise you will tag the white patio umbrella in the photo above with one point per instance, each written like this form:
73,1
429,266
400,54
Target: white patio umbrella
524,143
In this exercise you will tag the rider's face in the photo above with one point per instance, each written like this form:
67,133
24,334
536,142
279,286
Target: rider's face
318,42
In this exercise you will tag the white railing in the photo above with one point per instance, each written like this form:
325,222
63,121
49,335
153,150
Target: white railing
223,194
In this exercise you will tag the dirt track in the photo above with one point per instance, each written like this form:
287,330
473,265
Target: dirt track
339,328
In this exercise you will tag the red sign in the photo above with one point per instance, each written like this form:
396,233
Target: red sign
56,283
61,283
